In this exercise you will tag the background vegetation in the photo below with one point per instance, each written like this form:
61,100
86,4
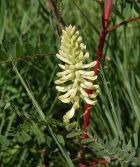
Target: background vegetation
29,40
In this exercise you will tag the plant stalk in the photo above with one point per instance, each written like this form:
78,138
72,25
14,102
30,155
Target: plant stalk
99,53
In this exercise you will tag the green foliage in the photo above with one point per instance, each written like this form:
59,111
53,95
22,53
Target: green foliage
73,134
3,13
31,129
111,150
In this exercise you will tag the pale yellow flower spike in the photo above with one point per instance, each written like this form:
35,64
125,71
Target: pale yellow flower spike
74,77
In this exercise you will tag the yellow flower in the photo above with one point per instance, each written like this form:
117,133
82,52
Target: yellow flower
74,78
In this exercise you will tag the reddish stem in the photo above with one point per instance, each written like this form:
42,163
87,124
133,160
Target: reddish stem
107,13
99,54
82,165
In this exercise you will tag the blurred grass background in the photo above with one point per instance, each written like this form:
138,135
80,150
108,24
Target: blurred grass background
29,35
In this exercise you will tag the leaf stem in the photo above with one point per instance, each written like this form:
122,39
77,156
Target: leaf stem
55,11
126,21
